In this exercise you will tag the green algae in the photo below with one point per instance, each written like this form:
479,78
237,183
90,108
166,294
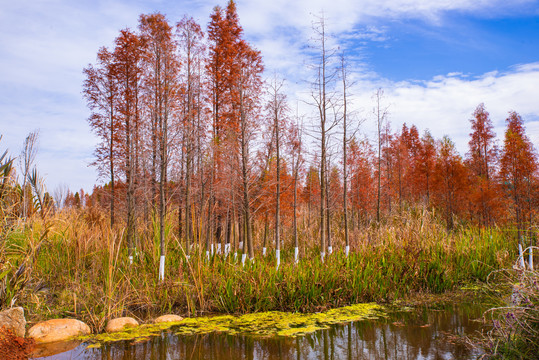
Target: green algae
265,324
277,323
137,333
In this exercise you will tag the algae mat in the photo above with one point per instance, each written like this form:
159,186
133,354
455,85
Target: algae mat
273,323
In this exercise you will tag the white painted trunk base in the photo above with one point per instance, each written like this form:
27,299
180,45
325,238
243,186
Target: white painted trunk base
278,257
162,268
296,255
322,256
243,257
521,257
263,251
130,259
530,259
227,249
347,250
330,249
218,249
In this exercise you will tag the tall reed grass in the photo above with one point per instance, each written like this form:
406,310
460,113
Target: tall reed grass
515,323
83,269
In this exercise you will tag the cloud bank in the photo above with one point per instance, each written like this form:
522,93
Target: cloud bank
44,45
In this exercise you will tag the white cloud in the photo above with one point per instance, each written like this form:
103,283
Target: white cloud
44,45
261,16
445,104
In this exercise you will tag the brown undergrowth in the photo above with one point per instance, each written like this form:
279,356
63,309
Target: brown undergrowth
83,271
13,347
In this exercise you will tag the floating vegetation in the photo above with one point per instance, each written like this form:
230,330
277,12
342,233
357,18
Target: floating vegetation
277,323
265,324
137,333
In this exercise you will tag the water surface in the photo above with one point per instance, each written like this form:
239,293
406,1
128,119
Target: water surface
422,333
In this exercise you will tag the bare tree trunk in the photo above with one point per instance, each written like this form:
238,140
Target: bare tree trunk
130,189
111,155
295,218
296,159
380,116
244,163
320,98
162,199
344,158
265,239
328,217
278,192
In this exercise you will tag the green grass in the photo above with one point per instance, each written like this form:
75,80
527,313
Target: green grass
82,271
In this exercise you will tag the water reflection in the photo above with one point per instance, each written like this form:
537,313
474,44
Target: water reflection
421,334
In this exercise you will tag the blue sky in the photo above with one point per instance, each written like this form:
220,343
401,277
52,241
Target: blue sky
435,60
464,43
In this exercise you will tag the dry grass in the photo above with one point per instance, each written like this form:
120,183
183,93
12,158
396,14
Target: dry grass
82,269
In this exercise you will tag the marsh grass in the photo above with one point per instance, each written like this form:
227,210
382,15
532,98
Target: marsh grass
83,271
515,322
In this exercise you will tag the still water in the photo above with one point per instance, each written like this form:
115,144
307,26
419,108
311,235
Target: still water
422,333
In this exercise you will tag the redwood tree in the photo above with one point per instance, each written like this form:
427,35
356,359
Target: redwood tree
100,89
127,56
191,48
162,91
482,159
518,166
450,181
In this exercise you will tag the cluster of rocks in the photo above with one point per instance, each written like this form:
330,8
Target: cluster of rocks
64,329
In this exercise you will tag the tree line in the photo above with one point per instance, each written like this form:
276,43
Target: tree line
188,126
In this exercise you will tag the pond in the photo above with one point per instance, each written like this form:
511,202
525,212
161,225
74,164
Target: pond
419,333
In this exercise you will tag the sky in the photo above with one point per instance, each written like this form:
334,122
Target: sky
436,61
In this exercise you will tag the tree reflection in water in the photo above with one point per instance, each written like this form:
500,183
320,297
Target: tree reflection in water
421,334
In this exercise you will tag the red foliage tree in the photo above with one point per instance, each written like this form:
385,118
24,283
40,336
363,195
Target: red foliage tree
481,160
127,56
518,167
450,181
100,89
162,92
425,166
362,192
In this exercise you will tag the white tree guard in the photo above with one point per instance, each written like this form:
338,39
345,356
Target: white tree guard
521,257
162,268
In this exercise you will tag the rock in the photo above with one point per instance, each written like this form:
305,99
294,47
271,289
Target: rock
168,318
13,319
120,324
57,330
